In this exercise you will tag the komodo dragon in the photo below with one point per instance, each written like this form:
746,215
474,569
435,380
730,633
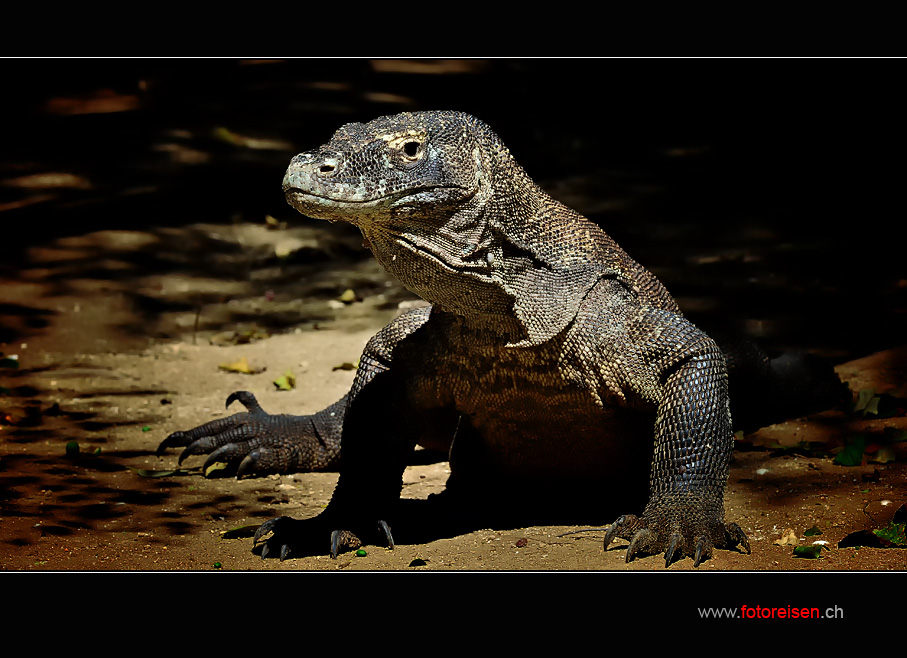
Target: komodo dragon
547,354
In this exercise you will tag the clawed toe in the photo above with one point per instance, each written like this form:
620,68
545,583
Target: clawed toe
343,540
279,533
736,537
675,543
290,537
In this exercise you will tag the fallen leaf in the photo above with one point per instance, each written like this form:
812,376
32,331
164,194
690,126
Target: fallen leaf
286,381
241,337
788,538
154,474
852,453
864,397
809,552
241,532
273,223
348,296
241,366
883,455
216,466
893,535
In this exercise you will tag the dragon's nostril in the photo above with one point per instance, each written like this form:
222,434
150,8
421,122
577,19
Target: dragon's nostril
328,166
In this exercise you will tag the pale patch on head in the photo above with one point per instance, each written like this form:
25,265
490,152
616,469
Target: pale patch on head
402,135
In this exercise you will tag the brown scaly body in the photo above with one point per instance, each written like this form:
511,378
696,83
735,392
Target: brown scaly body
547,354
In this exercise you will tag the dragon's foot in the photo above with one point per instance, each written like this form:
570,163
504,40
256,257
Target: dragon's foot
286,537
253,442
675,526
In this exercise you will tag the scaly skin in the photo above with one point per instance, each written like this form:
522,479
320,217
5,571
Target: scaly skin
543,347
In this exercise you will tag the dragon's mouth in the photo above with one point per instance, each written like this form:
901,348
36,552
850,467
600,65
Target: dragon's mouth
430,193
299,197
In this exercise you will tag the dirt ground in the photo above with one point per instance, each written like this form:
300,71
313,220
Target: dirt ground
84,379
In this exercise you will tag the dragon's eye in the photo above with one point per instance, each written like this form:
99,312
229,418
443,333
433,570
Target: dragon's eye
412,150
407,150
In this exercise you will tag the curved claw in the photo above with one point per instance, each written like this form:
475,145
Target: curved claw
387,534
738,537
702,551
264,528
612,531
173,439
222,454
246,399
282,528
676,540
192,449
247,465
639,539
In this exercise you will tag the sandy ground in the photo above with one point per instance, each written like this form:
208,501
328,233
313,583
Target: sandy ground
98,368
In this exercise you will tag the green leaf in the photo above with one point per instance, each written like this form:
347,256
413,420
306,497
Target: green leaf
72,449
883,405
9,362
852,454
216,466
893,534
810,552
154,474
240,532
811,532
286,382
